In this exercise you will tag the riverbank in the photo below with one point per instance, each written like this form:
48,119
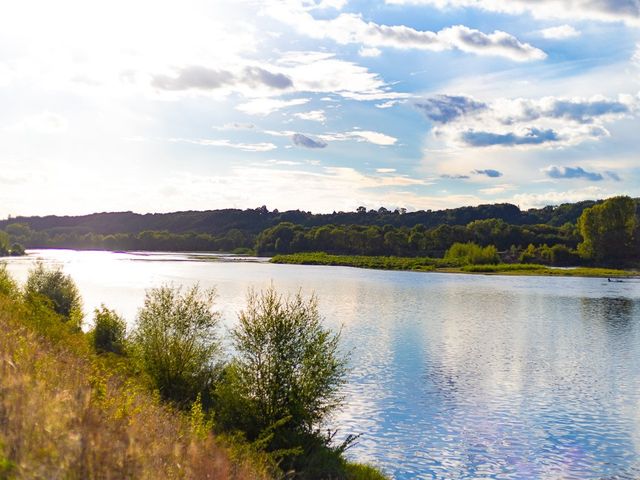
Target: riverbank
426,264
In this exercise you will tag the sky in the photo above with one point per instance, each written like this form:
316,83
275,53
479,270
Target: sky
319,105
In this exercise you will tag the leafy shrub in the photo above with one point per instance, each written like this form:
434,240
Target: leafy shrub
58,289
284,380
7,284
109,331
472,254
288,363
17,250
4,244
562,255
176,340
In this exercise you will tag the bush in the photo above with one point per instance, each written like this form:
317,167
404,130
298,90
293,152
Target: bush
563,256
176,340
8,286
285,379
17,250
57,289
472,254
4,244
109,331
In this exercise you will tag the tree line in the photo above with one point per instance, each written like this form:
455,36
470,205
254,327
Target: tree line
590,232
254,221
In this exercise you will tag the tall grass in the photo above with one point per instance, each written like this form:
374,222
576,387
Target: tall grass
361,261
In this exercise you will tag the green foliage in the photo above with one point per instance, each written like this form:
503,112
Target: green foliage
424,264
356,471
607,230
59,289
201,424
536,269
285,379
4,244
176,340
288,364
7,468
504,268
563,256
8,285
109,331
472,254
17,250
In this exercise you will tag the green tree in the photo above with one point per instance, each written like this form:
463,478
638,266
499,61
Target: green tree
109,331
176,339
17,250
607,230
8,285
58,289
4,244
288,365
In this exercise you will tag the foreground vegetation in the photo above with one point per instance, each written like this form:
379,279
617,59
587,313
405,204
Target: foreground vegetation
445,265
162,401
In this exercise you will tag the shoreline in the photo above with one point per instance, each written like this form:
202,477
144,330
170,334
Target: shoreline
438,266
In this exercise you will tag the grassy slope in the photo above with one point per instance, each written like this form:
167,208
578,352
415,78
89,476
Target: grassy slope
66,413
426,264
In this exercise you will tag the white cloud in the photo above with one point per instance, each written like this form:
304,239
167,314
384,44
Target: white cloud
198,77
560,32
234,126
335,4
636,55
548,122
388,104
603,10
348,28
266,106
534,200
246,147
385,170
376,138
320,72
313,115
497,189
369,52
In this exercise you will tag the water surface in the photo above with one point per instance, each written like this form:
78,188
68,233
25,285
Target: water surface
453,376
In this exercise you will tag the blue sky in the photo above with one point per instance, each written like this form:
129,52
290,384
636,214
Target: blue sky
319,105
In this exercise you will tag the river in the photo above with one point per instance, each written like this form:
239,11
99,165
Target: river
452,376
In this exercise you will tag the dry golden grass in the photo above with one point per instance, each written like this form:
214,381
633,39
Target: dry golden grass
65,415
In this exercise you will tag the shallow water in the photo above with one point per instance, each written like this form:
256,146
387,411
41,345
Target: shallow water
453,376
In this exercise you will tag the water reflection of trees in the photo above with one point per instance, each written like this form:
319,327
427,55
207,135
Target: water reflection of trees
616,314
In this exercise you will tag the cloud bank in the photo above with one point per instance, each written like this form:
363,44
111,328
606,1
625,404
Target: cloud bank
198,77
524,123
349,28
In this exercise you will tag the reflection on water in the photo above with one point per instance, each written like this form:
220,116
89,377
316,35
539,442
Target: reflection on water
454,376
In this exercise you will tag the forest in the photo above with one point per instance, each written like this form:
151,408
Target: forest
560,235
